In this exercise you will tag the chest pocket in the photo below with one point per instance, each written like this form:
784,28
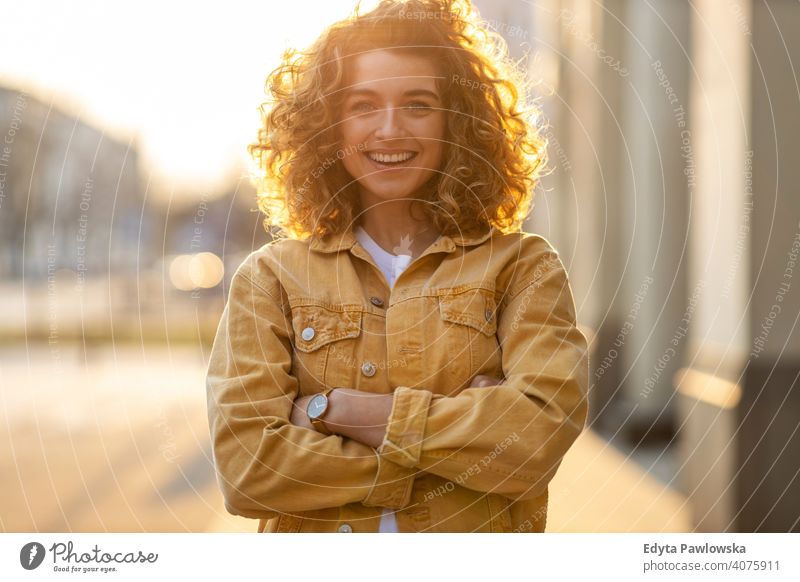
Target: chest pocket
470,327
325,339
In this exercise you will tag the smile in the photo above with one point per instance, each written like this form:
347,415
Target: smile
390,159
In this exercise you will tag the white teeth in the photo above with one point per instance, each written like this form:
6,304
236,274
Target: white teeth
390,158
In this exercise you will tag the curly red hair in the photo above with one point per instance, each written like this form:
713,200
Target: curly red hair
494,153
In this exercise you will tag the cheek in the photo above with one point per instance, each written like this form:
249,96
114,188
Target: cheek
348,131
435,136
437,155
352,165
434,154
350,136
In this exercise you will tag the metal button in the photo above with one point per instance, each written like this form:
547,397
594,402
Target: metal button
345,528
488,315
308,334
376,301
368,368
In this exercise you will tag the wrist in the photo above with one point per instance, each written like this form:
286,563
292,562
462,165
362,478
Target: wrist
336,418
359,416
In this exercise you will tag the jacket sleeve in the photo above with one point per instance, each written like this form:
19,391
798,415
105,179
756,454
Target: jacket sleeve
509,438
264,463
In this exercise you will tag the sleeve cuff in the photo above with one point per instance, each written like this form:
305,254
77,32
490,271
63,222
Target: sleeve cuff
392,486
405,428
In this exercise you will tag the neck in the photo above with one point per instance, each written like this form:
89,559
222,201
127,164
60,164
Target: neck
391,225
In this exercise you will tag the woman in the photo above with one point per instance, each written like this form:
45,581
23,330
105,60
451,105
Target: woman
405,359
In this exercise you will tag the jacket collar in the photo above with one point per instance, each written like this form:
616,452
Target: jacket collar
345,241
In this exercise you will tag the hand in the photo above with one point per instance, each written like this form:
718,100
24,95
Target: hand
299,415
479,381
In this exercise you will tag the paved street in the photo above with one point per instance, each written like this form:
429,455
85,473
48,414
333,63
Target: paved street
116,439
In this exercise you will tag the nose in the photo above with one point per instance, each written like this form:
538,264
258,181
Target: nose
389,124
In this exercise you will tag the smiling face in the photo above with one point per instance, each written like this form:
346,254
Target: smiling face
393,124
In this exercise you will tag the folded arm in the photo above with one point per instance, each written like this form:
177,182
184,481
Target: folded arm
265,464
506,438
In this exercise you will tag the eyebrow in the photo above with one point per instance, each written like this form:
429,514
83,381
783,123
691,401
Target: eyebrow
410,93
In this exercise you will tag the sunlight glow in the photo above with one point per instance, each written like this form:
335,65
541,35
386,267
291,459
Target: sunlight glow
199,271
185,78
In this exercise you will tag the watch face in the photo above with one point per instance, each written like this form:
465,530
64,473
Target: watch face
317,406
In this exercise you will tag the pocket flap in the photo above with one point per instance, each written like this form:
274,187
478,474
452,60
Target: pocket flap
475,308
318,325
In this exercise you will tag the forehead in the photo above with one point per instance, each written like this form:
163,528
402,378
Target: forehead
390,71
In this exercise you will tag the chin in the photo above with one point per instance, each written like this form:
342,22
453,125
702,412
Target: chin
384,191
390,193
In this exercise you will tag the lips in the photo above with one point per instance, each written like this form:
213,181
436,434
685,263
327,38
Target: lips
389,159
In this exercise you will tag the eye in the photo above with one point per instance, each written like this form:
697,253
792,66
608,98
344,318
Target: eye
418,106
362,107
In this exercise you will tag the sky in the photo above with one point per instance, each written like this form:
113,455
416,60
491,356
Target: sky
185,77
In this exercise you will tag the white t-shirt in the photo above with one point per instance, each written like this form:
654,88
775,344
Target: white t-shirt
392,266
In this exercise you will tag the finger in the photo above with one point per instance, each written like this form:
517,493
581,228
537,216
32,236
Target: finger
491,381
481,381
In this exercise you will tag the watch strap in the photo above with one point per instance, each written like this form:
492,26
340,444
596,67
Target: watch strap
319,426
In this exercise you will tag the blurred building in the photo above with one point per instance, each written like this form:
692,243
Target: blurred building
93,246
72,196
673,201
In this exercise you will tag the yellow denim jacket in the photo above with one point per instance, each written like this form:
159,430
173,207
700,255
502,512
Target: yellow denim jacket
303,315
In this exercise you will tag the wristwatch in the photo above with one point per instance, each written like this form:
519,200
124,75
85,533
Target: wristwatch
317,408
